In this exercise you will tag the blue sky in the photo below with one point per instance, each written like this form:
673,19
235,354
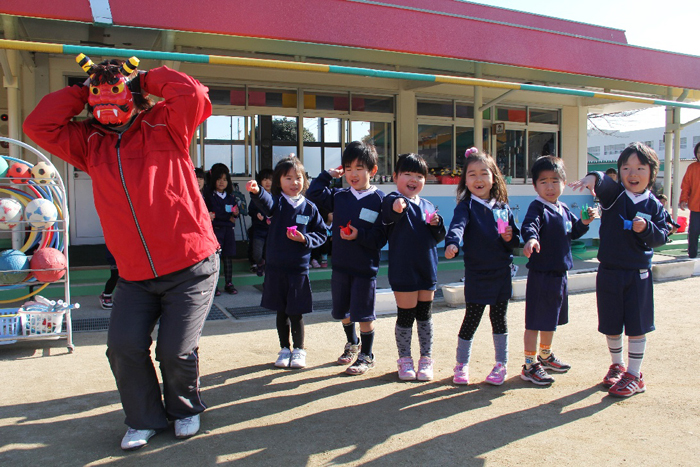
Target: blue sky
672,25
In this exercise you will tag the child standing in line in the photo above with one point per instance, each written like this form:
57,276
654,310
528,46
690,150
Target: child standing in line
295,228
484,223
219,200
414,230
547,231
632,224
357,227
260,224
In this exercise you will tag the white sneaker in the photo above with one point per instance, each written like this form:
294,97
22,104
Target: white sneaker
425,369
298,359
283,358
406,371
134,439
315,264
186,427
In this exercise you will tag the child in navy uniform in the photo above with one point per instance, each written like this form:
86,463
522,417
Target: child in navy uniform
260,224
295,228
484,223
414,230
632,224
547,231
219,199
357,227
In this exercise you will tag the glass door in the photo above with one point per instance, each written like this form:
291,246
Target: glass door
510,154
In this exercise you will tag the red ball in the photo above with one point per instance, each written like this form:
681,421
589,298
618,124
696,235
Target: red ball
48,258
19,173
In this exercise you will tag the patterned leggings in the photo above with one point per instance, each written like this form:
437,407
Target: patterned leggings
472,318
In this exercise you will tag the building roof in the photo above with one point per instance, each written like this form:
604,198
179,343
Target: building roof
439,28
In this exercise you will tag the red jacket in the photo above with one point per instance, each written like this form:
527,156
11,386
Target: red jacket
152,214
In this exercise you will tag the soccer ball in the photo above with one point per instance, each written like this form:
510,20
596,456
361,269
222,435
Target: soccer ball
41,213
19,173
43,172
10,213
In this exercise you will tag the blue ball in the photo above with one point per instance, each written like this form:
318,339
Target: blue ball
12,262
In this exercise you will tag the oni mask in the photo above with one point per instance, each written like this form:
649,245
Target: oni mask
111,102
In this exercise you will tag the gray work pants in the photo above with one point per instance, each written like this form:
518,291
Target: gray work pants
181,300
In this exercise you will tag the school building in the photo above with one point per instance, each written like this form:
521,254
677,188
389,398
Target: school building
305,77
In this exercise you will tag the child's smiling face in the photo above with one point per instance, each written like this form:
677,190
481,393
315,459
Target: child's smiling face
549,186
479,180
409,184
634,175
357,175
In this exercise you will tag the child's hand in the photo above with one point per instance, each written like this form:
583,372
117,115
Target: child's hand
232,219
234,211
296,236
212,216
508,234
586,182
337,172
399,205
531,246
592,215
353,233
435,221
683,205
252,187
639,224
261,217
451,251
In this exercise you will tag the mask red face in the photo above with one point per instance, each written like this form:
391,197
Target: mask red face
112,104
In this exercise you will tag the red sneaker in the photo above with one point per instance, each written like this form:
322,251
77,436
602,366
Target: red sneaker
628,385
614,374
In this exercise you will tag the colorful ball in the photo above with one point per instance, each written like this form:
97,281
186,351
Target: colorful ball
12,263
19,173
43,172
10,213
4,166
48,258
41,213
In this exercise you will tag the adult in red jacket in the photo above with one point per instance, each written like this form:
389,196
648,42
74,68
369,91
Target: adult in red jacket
154,222
690,199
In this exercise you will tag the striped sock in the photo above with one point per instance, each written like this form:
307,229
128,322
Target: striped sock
545,351
615,347
635,355
530,358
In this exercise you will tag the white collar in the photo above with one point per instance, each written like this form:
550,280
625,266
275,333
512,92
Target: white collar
556,207
638,197
294,202
489,204
221,194
361,194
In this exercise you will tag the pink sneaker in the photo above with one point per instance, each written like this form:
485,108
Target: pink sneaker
497,375
406,371
425,369
461,374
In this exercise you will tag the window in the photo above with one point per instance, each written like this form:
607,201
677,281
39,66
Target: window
544,116
696,140
321,144
650,144
684,142
613,149
594,151
511,114
662,146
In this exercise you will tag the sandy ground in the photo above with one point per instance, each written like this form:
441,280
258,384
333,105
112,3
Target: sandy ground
61,409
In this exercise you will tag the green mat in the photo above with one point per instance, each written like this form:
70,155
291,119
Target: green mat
317,285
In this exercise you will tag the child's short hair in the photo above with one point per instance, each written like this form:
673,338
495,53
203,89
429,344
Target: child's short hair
411,163
215,173
199,173
284,166
364,153
611,171
545,163
646,156
662,197
499,191
263,174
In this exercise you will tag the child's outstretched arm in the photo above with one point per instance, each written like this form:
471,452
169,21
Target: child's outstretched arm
600,185
261,198
393,208
437,228
319,191
455,233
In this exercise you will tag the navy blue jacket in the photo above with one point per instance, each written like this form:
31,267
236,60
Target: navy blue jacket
260,227
484,248
554,232
626,249
224,229
412,244
281,252
359,257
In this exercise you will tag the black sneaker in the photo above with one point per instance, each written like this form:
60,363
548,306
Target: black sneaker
552,363
536,375
261,268
106,301
229,288
362,365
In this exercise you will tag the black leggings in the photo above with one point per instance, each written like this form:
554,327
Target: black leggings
296,323
112,281
472,318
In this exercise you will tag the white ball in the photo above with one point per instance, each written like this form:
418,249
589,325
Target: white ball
43,172
41,213
10,213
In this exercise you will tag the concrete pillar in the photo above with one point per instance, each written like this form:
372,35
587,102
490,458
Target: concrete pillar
478,116
406,122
